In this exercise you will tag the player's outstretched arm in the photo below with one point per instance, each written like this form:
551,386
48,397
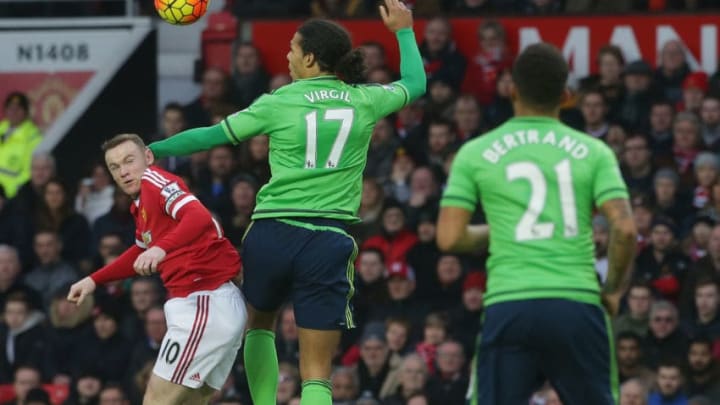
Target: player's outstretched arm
119,269
621,246
190,141
398,19
455,234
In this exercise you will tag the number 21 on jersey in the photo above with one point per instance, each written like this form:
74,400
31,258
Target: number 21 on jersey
345,116
529,228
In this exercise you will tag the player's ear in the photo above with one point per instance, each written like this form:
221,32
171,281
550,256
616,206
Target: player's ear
149,157
308,59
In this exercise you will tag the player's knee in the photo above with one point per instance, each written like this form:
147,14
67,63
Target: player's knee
260,319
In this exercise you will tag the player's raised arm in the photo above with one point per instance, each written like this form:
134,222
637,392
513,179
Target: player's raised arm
398,19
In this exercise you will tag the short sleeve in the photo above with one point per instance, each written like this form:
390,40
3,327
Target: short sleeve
462,190
387,98
254,120
608,183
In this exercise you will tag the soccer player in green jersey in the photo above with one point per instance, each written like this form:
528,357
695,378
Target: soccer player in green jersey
539,182
297,247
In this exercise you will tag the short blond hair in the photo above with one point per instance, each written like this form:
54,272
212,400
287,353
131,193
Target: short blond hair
122,138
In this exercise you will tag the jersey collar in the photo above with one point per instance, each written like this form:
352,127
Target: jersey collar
535,118
324,77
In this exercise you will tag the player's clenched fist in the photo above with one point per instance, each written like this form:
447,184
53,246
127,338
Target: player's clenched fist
147,263
80,290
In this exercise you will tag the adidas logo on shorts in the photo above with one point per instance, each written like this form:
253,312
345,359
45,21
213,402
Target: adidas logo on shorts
195,377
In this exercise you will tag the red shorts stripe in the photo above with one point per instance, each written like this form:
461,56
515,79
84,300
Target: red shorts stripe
205,312
193,332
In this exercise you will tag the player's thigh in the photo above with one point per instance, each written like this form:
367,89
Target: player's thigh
204,330
268,250
505,368
162,392
323,282
578,356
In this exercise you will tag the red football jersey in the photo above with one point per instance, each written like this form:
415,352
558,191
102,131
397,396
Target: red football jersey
204,264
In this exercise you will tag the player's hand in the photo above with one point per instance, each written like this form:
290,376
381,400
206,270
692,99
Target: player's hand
147,263
80,290
396,15
611,302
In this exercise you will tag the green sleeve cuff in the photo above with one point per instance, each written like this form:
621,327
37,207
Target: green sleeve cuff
190,141
449,200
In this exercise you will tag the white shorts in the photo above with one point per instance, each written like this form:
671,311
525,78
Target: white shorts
204,333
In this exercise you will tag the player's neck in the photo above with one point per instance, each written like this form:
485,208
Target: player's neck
313,73
522,110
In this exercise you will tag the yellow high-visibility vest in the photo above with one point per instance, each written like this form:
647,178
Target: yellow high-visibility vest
16,149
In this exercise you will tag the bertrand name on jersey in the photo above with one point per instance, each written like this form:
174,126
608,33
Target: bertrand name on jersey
498,149
320,95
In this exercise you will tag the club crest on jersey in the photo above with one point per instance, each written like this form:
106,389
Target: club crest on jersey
147,238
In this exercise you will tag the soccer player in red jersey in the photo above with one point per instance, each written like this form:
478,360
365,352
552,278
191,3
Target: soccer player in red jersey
176,236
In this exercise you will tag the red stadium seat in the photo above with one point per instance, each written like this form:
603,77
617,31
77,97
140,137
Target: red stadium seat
217,40
58,393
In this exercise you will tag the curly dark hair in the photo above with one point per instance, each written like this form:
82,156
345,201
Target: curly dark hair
331,45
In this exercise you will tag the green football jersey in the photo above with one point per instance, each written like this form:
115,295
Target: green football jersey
538,182
319,133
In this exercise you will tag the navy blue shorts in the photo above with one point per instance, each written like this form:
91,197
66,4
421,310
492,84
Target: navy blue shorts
524,343
307,260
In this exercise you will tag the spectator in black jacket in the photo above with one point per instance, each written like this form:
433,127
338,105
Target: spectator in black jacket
23,337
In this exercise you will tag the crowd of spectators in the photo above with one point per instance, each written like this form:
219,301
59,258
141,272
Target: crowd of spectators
418,310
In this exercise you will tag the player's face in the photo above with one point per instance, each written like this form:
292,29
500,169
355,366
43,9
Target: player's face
296,58
127,163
